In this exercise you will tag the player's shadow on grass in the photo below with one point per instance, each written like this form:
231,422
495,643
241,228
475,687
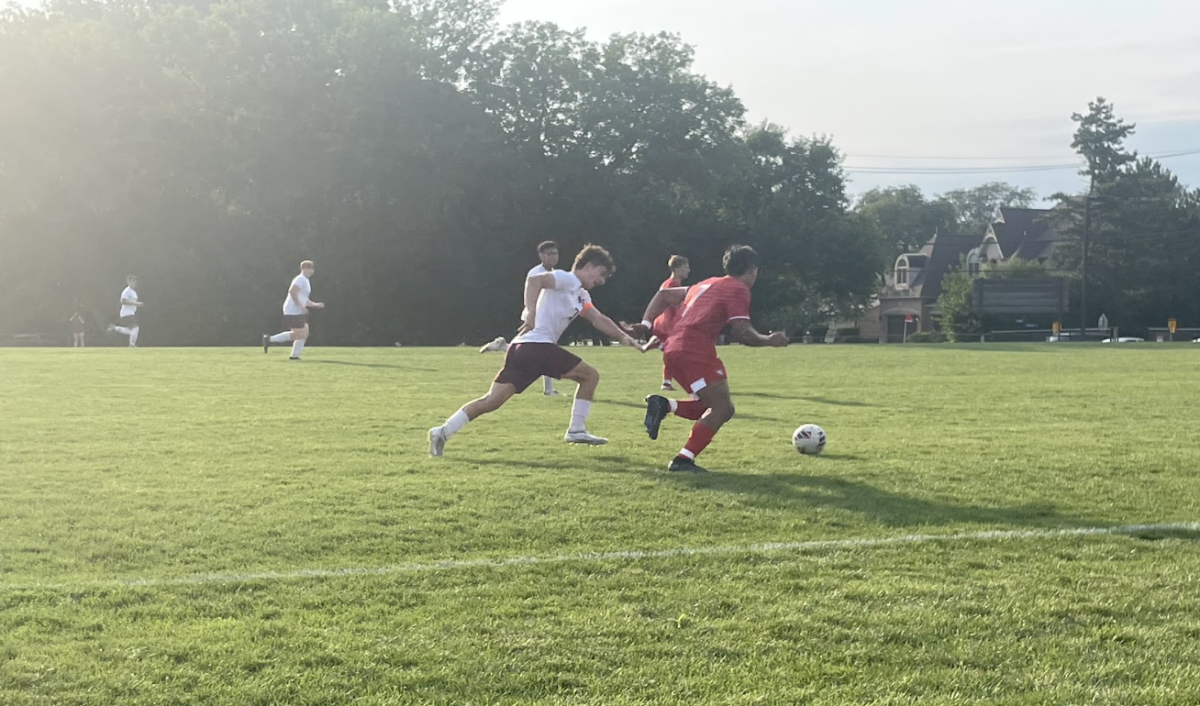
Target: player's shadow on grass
787,491
801,398
642,407
373,365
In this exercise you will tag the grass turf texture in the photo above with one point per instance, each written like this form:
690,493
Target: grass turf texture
170,465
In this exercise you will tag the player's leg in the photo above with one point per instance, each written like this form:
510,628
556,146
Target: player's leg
133,336
299,338
82,339
588,379
548,387
716,397
666,384
497,395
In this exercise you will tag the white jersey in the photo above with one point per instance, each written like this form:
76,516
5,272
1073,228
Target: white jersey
290,308
538,270
557,308
128,309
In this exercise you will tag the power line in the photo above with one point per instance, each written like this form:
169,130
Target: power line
997,169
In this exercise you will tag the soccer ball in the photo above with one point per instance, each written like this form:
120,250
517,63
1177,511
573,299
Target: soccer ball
809,439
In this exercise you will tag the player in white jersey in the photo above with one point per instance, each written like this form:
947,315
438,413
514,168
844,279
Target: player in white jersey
548,254
552,301
128,323
295,312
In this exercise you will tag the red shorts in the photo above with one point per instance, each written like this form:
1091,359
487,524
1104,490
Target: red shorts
526,362
694,373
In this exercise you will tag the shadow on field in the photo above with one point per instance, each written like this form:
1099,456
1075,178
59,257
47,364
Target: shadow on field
641,406
372,365
799,398
798,492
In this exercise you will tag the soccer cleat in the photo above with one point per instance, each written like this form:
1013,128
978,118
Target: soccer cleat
266,342
657,409
553,393
668,386
110,329
293,357
437,442
582,437
681,464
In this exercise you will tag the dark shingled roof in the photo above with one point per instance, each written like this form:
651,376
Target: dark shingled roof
1018,225
945,251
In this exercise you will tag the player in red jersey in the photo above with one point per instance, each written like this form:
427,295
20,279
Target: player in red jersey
691,350
680,269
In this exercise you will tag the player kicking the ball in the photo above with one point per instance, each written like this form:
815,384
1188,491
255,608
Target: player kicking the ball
552,301
690,353
295,313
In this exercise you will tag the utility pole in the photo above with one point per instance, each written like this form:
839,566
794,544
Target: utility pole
1087,229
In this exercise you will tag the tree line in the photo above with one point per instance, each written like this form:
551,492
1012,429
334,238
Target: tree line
417,150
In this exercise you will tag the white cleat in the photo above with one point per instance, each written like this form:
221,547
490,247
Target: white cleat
582,437
437,442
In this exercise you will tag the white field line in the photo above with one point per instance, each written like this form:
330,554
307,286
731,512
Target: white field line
626,555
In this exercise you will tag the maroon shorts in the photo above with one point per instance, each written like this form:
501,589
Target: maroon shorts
526,362
694,373
295,320
128,321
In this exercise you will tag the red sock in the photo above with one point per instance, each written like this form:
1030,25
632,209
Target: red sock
701,436
690,409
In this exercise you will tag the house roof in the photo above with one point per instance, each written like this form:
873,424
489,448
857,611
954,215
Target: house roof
944,253
1015,226
916,260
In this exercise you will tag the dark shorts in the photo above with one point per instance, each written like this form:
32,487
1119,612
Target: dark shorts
77,327
128,321
526,362
295,320
694,373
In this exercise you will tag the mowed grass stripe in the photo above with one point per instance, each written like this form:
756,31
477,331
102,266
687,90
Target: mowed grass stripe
810,546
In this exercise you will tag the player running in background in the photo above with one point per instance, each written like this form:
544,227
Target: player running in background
680,269
127,325
691,350
552,301
548,254
295,312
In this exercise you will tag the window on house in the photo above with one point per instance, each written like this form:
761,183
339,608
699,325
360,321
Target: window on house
902,275
973,268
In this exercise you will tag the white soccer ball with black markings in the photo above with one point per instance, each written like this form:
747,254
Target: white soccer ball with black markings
809,439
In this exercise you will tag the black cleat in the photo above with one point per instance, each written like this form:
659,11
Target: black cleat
657,409
680,464
292,357
266,342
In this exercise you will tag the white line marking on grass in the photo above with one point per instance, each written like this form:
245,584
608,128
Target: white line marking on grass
627,555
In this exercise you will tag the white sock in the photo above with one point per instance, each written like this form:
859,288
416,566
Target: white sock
123,331
674,404
455,423
285,337
297,347
133,336
547,384
579,415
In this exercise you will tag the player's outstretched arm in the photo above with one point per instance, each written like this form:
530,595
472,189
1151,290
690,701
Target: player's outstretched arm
745,334
608,327
664,299
533,289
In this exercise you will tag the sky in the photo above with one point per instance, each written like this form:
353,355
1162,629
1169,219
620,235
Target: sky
984,84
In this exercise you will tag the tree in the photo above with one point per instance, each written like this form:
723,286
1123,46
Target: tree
1099,139
906,218
957,320
975,209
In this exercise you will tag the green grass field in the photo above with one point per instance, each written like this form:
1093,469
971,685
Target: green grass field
223,527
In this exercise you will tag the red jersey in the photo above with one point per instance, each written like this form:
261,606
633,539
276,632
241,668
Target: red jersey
666,320
708,308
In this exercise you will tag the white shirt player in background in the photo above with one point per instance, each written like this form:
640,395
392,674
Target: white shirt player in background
552,301
295,312
548,253
128,323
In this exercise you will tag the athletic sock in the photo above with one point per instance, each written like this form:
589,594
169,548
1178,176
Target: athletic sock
701,436
133,336
123,331
547,384
579,415
297,347
285,337
455,423
688,409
